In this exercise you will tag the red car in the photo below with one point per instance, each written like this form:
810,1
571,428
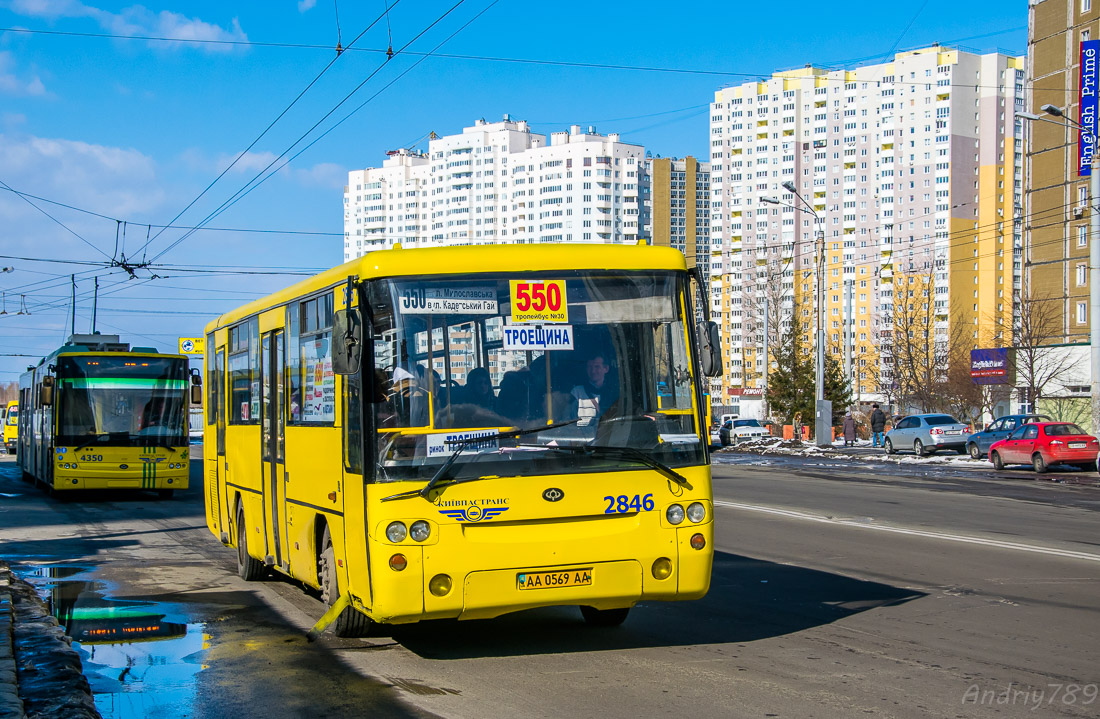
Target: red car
1043,444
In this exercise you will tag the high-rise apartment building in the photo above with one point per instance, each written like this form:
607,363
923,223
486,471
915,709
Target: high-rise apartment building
911,170
676,207
1056,280
498,183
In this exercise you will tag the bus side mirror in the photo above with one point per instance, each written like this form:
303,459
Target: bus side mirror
347,341
196,394
45,394
710,348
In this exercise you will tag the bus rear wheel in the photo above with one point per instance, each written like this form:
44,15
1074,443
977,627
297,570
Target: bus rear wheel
351,622
604,617
248,568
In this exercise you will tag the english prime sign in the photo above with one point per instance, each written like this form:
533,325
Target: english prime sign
990,366
1087,102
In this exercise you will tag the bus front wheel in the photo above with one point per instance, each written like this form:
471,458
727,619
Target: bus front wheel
604,617
248,568
351,622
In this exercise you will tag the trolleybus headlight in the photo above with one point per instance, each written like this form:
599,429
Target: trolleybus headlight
696,512
675,514
396,532
440,585
398,562
420,530
662,568
698,541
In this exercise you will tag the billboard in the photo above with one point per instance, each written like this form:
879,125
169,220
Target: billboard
1086,101
990,366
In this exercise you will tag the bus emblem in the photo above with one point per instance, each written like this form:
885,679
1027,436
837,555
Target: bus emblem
474,513
553,494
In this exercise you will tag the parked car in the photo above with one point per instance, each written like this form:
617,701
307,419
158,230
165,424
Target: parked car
979,443
927,433
737,430
1045,444
715,436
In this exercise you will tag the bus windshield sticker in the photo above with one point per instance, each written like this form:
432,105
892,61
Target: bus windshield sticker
449,301
538,301
551,337
441,445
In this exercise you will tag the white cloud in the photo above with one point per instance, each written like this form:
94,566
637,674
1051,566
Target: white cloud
137,20
12,84
324,174
304,5
110,180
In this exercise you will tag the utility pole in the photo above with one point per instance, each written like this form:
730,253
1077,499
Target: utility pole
823,426
72,323
767,360
1094,285
849,330
95,303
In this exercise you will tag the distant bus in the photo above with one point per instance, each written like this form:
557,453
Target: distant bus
11,426
465,432
95,414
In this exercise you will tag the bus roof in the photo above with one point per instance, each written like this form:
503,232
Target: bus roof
466,259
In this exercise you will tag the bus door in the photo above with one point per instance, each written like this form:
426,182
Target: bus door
221,461
272,423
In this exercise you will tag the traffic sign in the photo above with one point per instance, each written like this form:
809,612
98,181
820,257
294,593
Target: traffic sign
192,345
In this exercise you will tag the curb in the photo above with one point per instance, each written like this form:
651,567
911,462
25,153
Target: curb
48,679
11,706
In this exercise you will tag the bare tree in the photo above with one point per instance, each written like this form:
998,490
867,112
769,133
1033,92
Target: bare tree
918,361
1035,326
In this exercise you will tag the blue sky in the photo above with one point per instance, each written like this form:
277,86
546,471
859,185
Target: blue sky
135,129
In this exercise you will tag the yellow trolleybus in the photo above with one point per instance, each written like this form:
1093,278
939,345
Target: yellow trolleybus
479,430
11,427
95,414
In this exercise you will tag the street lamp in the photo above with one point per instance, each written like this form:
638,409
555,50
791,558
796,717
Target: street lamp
1094,250
824,411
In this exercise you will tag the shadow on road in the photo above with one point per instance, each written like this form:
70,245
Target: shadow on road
749,600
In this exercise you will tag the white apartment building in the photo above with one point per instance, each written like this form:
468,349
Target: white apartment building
498,183
909,168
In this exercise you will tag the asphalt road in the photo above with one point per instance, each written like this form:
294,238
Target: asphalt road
838,590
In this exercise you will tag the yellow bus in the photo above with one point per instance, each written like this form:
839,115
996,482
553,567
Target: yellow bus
480,430
96,414
11,427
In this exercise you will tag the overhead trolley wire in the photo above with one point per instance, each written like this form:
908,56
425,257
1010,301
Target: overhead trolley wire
266,129
249,186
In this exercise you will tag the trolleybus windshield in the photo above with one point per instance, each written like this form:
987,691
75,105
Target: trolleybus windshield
121,401
459,356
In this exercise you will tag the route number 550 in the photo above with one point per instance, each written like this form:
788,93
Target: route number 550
538,296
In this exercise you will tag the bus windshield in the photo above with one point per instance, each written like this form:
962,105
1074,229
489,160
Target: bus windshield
121,401
604,355
13,415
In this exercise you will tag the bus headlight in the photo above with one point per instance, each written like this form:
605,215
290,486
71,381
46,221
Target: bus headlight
396,532
420,530
696,512
674,514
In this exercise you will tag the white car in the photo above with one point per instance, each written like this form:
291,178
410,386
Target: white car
739,430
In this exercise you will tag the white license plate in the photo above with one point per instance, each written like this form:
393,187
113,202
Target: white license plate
1076,445
953,431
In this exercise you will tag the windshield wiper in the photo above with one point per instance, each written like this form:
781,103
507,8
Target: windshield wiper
441,473
619,453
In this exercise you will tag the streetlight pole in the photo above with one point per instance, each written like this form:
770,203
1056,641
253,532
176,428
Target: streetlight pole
1094,256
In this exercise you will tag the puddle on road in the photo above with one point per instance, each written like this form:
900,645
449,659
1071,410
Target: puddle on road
140,657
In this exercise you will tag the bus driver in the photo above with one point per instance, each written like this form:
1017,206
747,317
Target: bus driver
597,394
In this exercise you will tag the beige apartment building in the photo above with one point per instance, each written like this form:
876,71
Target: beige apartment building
1056,278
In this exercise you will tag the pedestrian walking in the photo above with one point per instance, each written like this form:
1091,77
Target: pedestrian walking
878,426
849,429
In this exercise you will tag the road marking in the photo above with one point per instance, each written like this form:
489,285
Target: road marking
863,523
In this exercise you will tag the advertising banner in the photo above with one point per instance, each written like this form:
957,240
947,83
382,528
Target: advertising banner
990,366
1090,80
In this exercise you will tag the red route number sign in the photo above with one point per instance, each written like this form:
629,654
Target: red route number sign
539,301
